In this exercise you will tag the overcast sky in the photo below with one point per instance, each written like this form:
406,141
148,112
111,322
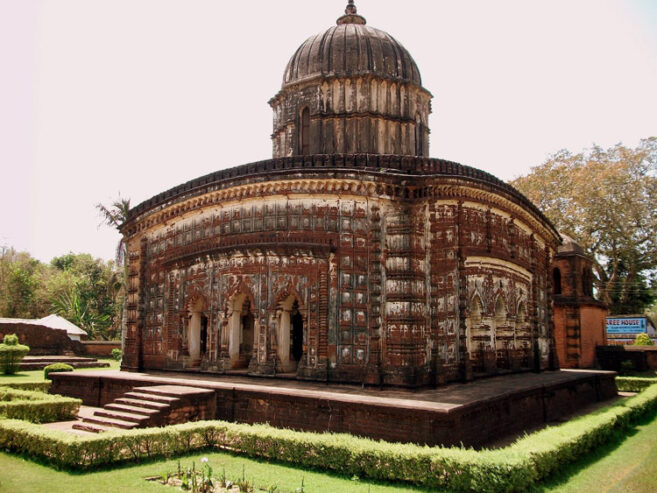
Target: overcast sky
101,97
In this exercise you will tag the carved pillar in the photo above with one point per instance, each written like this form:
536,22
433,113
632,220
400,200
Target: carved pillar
465,365
536,352
141,308
553,358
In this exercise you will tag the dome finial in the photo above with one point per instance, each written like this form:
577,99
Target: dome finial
351,15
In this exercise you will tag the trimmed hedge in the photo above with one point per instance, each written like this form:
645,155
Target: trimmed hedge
36,407
54,368
11,354
634,384
37,386
514,468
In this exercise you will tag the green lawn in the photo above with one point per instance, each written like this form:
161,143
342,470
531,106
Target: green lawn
20,475
37,375
628,464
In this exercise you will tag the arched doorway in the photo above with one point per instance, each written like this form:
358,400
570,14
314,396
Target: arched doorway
241,331
473,324
197,333
290,335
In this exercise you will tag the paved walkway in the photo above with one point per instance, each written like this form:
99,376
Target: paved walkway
85,411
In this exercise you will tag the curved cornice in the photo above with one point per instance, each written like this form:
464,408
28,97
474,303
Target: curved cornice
400,177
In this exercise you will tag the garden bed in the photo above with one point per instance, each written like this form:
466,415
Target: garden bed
514,468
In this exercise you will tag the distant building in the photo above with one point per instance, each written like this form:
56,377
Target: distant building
623,329
579,319
52,321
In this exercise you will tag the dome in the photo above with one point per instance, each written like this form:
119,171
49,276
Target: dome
569,246
352,48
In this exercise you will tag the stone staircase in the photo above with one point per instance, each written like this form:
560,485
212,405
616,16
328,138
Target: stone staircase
144,407
40,362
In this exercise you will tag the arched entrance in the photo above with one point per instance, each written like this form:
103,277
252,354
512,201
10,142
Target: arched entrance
197,333
241,332
290,334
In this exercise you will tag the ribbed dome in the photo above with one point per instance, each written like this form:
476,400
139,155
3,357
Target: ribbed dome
349,49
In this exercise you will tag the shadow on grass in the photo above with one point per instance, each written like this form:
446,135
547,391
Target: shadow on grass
565,474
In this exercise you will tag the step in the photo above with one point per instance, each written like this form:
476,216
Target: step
116,423
90,427
173,390
164,399
146,404
127,408
41,365
57,359
122,416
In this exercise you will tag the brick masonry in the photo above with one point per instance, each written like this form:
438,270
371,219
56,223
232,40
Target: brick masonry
349,257
401,281
42,340
472,414
579,319
100,348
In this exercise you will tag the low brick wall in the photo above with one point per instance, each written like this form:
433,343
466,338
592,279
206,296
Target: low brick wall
395,420
100,348
41,339
643,358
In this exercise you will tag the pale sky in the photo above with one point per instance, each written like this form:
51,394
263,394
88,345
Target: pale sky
101,97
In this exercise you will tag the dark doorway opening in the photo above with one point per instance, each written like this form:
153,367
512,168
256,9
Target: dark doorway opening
204,335
246,347
296,327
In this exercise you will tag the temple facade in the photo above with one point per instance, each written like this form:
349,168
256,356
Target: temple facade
350,256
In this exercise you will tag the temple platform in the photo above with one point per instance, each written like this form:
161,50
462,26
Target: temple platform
474,414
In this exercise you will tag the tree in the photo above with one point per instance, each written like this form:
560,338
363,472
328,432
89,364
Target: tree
606,201
115,215
21,293
88,292
84,290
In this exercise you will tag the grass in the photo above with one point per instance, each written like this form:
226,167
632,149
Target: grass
27,476
37,375
628,463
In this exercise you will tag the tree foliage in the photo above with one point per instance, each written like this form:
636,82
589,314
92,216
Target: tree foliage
643,340
84,290
607,201
114,216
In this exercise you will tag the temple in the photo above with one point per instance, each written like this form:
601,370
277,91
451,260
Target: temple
351,255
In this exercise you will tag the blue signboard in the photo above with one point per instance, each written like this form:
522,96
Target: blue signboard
626,325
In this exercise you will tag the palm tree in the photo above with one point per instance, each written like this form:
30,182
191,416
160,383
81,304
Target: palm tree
115,215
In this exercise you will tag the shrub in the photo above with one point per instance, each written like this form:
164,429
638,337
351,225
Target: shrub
626,367
55,367
634,384
117,354
38,386
11,354
37,407
643,340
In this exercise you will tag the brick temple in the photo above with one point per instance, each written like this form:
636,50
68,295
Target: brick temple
351,255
